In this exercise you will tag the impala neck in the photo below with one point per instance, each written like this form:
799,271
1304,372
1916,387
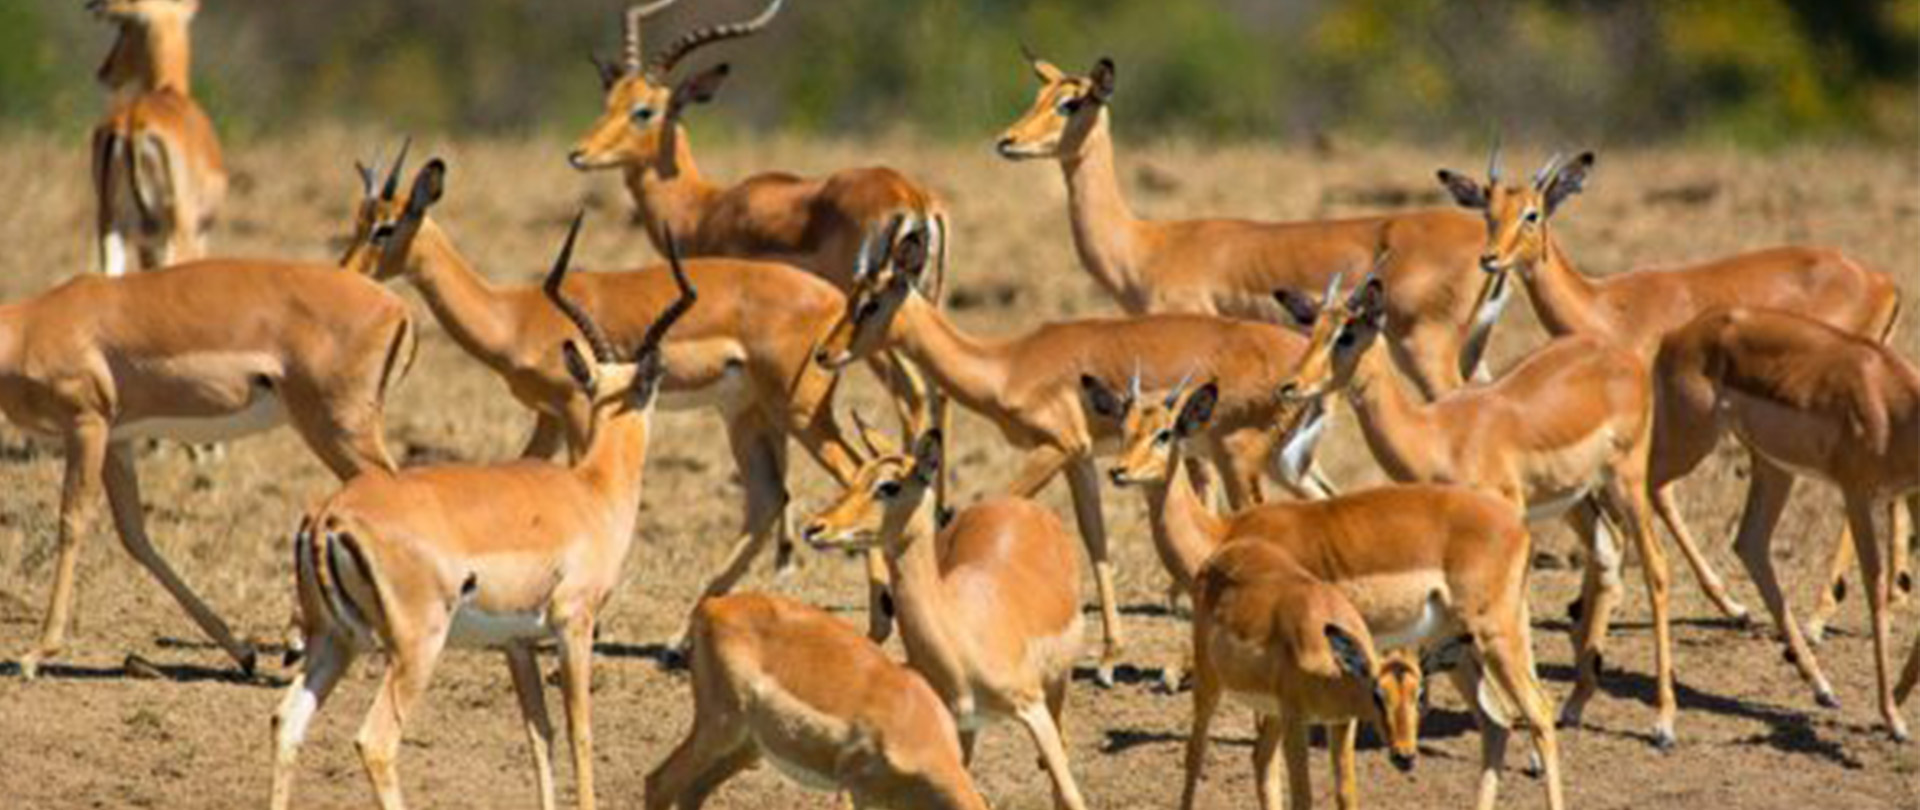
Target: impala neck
1104,228
923,607
475,313
1185,530
615,462
167,52
669,188
969,370
1395,426
1564,300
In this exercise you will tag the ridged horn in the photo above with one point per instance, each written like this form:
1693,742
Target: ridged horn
698,38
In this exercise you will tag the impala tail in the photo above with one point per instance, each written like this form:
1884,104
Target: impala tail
884,235
339,590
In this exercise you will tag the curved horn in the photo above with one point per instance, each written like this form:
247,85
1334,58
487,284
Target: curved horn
702,37
1545,175
366,180
1179,388
393,176
1333,288
631,56
596,339
657,331
1133,383
877,443
1493,163
1027,53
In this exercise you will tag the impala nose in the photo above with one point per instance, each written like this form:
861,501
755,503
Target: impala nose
1004,146
577,159
812,533
1118,476
1402,761
1489,262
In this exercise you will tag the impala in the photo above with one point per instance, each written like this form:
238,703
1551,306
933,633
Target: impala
1637,309
1421,565
989,610
502,556
158,176
1231,267
1807,398
1565,433
785,681
746,353
1031,388
202,351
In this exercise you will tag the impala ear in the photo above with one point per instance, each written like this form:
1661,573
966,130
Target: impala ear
927,456
1370,301
1299,307
1101,399
699,88
1102,79
428,186
1348,652
578,367
1567,180
1198,411
1467,192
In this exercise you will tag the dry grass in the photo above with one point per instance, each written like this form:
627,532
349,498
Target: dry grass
88,736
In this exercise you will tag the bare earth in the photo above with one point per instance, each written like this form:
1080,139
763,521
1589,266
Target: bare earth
90,735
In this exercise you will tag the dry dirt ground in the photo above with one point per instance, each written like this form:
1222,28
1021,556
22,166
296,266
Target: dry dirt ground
90,735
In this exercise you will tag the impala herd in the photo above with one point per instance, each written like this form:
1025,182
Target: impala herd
1240,341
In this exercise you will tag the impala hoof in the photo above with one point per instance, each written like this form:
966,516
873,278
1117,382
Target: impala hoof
1663,740
30,666
1826,699
1900,734
1103,675
1535,767
249,661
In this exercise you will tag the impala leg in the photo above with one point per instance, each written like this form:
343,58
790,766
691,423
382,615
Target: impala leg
1627,504
1600,590
1911,676
1768,488
759,465
1431,354
1508,661
408,672
1053,751
1843,559
533,712
1867,545
343,429
576,688
327,659
1299,780
1341,739
1493,736
123,493
715,748
1206,700
1665,505
79,498
1085,481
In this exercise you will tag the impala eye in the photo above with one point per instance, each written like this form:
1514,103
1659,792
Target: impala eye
1069,106
1531,217
866,310
887,490
1163,436
1346,339
381,233
642,113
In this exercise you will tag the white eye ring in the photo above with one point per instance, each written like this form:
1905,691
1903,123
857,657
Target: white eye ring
642,113
1531,216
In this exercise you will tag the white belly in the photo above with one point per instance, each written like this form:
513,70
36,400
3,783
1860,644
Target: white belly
1554,505
1260,702
1424,627
265,412
806,777
473,627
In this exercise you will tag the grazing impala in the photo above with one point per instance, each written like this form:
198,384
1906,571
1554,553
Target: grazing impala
202,351
989,610
503,556
1031,387
747,352
1231,267
785,681
1807,398
158,176
1637,309
1565,433
1421,564
832,226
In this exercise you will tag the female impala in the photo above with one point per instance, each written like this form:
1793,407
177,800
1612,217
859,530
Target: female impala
785,681
1637,309
1808,399
502,556
1231,267
158,176
1564,433
1421,564
202,351
989,610
1031,387
746,352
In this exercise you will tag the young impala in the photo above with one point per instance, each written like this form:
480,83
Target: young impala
1421,565
1031,388
1231,267
746,353
202,351
1565,433
503,556
1637,309
784,681
158,176
1809,399
989,610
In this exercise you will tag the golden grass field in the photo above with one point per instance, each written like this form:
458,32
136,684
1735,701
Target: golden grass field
89,735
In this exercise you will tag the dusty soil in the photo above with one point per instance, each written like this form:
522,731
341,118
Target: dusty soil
91,735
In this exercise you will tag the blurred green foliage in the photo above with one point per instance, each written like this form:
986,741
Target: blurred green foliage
1747,71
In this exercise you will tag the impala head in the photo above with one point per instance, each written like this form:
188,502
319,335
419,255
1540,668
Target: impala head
643,102
1517,214
1065,110
1153,426
1397,681
615,385
129,56
884,495
875,299
144,12
385,223
1339,334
